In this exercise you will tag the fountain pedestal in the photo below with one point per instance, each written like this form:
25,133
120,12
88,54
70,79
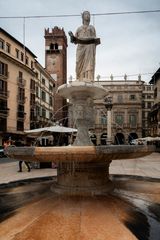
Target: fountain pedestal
83,178
74,177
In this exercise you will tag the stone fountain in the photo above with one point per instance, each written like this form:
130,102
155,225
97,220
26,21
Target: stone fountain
70,211
83,169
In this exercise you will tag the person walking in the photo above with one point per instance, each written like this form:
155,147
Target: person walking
27,165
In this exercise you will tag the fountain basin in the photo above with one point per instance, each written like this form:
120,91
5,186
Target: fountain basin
82,170
79,153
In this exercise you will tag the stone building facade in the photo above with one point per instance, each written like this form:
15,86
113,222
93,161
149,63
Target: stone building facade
154,116
131,103
26,90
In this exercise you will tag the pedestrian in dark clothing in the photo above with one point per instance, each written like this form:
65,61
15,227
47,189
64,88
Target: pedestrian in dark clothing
20,166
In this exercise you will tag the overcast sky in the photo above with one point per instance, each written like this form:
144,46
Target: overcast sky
130,43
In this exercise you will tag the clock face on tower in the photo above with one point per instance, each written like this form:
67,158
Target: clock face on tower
51,63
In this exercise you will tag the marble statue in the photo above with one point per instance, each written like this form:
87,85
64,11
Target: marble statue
85,37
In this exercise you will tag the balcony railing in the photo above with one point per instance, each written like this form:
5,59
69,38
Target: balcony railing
21,82
21,115
32,103
4,112
32,90
4,75
21,100
4,94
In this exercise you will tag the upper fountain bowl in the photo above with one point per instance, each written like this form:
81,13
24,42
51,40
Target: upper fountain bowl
85,89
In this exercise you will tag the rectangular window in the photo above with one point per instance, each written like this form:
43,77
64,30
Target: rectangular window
43,81
20,113
32,84
17,53
21,95
37,110
132,120
149,105
32,64
20,126
20,75
43,112
119,119
37,75
32,115
21,80
8,48
32,99
120,98
103,119
43,96
50,87
3,106
143,104
27,60
1,43
22,56
3,69
50,101
37,92
133,97
148,96
3,87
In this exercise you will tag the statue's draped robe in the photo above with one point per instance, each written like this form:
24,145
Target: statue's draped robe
85,56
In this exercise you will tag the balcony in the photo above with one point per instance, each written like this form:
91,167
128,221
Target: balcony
4,94
21,115
21,100
4,112
4,75
21,82
32,90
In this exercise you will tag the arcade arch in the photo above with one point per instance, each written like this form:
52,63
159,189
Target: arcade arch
119,139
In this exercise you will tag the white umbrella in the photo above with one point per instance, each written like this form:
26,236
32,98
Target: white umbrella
57,128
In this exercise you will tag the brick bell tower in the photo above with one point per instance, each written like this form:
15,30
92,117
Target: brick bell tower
56,65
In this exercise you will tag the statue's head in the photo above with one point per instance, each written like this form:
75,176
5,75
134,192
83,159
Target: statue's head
86,16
